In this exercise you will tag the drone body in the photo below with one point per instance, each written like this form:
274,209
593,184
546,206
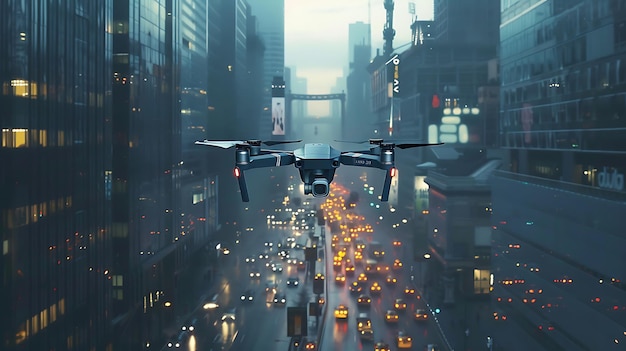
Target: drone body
316,162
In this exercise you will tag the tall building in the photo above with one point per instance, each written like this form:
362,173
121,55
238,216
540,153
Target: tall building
451,21
145,212
359,34
197,179
271,28
298,85
559,245
56,175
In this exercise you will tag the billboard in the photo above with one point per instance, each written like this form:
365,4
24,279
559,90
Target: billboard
278,116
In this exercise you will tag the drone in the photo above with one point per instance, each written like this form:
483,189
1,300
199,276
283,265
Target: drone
316,162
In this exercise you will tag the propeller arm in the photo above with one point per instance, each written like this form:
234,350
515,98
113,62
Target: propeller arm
361,159
373,161
269,158
243,187
390,173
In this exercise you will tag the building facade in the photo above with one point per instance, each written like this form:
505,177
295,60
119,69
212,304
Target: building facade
56,175
270,15
558,247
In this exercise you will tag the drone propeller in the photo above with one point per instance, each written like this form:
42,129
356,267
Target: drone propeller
410,145
276,142
226,144
401,144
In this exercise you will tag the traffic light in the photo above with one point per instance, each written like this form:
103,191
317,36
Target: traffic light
318,284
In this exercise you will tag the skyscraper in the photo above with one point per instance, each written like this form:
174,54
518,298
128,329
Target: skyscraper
270,15
563,119
359,33
56,175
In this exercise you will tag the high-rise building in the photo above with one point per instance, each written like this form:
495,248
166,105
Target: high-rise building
146,152
359,118
298,85
559,243
270,15
452,22
359,34
56,175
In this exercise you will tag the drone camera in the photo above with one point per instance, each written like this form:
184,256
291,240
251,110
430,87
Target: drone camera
320,187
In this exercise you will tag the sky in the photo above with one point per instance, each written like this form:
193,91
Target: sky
316,34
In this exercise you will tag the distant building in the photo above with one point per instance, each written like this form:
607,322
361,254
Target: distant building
271,21
359,34
563,120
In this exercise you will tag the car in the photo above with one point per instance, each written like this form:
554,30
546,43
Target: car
310,345
397,243
362,277
341,312
293,281
277,267
356,287
190,325
409,290
545,326
399,305
280,299
179,340
499,316
350,269
363,300
270,285
381,346
397,264
340,279
391,280
250,259
432,347
230,315
403,341
247,296
367,334
255,273
363,322
375,288
301,266
420,315
391,316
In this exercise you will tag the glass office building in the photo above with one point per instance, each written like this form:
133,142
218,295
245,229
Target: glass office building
55,174
559,245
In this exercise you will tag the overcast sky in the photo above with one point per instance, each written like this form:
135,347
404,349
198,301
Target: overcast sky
316,34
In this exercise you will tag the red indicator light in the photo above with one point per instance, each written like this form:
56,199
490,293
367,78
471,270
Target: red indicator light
237,172
393,171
